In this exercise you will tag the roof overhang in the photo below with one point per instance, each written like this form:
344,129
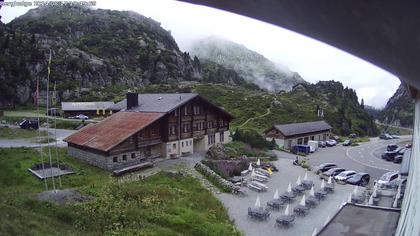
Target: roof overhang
385,33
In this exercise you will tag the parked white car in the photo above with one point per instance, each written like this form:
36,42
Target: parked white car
81,117
331,142
387,178
345,175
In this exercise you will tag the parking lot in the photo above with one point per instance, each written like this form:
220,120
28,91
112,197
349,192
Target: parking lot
238,206
362,158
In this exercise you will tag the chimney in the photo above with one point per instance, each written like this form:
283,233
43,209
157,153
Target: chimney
132,100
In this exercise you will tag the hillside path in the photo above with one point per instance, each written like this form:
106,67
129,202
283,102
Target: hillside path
260,116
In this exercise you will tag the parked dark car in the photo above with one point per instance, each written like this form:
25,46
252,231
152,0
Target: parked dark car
398,158
28,124
353,135
390,155
324,167
331,172
391,147
361,179
347,142
301,148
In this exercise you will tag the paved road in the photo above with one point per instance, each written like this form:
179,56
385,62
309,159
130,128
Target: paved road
61,134
359,158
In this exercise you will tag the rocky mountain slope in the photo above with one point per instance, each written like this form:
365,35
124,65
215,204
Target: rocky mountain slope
259,110
399,109
93,49
252,66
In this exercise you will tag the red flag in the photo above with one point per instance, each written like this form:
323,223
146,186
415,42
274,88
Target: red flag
36,95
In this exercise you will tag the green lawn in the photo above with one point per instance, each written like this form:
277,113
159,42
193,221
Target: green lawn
159,205
17,133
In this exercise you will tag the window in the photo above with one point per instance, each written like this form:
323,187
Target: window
312,137
174,146
299,141
182,144
124,157
211,139
186,128
196,110
115,159
186,110
190,142
222,137
154,131
148,151
133,155
172,130
209,124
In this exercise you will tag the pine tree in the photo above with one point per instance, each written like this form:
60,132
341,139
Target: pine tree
6,42
362,104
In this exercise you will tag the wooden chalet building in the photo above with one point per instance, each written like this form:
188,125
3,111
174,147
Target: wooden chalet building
288,135
151,126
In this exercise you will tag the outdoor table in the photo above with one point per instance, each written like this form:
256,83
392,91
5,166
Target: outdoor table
301,210
285,220
329,188
307,184
276,203
320,194
298,190
312,201
258,212
288,196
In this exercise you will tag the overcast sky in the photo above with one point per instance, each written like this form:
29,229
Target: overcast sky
312,59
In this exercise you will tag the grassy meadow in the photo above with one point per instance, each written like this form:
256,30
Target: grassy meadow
159,205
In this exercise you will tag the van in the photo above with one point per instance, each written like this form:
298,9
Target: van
301,148
313,145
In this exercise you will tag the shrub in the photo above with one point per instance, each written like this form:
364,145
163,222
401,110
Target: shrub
254,139
214,178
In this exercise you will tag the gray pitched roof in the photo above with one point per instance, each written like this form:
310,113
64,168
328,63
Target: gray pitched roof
302,128
157,102
85,106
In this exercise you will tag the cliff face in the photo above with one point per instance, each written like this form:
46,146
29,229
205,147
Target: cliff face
250,65
341,107
90,49
399,109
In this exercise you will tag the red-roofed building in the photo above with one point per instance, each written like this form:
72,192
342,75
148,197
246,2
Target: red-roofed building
151,126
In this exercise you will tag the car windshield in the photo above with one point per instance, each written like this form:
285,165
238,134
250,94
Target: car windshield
386,177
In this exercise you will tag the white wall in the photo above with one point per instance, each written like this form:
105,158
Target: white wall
409,222
183,146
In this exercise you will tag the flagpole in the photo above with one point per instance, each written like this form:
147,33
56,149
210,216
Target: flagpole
55,131
48,123
39,134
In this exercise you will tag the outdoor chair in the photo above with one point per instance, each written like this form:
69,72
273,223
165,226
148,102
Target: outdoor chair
285,221
301,210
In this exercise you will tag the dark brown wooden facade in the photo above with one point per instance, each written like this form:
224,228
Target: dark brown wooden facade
194,119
